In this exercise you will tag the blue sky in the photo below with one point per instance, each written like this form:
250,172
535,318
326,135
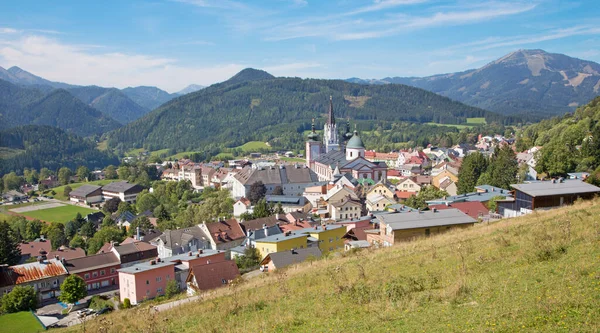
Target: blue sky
173,43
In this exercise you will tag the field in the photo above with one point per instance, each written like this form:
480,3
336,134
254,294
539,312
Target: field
58,214
476,121
61,189
22,322
9,152
539,273
136,152
470,123
254,146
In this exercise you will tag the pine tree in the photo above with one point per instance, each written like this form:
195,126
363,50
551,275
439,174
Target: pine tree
10,253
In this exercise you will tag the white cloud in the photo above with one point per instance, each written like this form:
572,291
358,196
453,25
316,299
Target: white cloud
8,31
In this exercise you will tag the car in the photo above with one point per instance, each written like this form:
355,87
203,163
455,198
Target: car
84,313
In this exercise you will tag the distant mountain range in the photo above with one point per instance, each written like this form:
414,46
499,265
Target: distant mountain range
254,105
190,89
524,81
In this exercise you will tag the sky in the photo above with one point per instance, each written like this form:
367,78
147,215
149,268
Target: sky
173,43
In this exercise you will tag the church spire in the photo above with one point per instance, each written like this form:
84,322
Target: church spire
331,120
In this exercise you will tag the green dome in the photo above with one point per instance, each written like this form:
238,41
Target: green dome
312,136
355,142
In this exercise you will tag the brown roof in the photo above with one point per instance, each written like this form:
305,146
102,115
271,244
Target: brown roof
33,248
36,271
138,246
245,201
92,262
212,275
471,208
67,253
225,231
105,248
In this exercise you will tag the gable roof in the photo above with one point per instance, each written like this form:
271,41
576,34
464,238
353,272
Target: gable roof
92,262
212,275
547,188
284,174
179,237
84,190
287,258
133,247
427,219
225,231
33,248
471,208
37,271
121,187
67,253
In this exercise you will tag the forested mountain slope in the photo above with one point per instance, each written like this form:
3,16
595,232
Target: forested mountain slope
110,101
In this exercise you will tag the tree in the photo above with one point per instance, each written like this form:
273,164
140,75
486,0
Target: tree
112,205
250,258
56,233
107,221
71,229
67,191
278,209
77,241
103,236
110,172
72,289
83,173
143,222
88,229
123,172
503,168
12,181
33,229
471,169
64,175
123,207
262,209
10,253
31,176
146,201
278,190
258,190
20,299
419,201
45,173
172,288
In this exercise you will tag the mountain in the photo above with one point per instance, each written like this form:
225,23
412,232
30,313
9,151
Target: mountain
524,81
110,101
152,97
13,102
49,147
253,104
190,89
19,76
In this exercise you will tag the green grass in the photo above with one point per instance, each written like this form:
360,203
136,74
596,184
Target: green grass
58,214
539,273
6,152
61,189
293,159
450,125
470,123
254,146
22,322
476,121
102,145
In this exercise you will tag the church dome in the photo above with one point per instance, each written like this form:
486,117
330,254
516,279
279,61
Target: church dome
312,136
355,142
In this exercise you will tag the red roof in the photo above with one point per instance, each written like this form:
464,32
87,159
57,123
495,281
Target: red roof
37,271
33,248
393,173
473,209
67,253
404,195
213,275
245,201
225,231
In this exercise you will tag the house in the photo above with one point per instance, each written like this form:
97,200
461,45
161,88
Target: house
125,219
45,276
174,242
352,223
191,172
329,237
38,248
378,203
98,175
448,173
290,203
50,182
340,193
474,209
223,234
98,270
401,196
66,253
397,227
408,185
380,189
345,209
448,185
86,194
211,276
132,253
545,195
356,244
252,236
123,190
242,206
96,218
13,196
145,280
293,179
185,261
483,194
278,260
281,242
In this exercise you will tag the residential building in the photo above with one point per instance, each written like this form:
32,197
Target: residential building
86,194
282,242
408,184
293,179
145,280
352,223
13,196
185,261
211,276
98,270
448,185
376,203
123,190
474,209
545,195
278,260
223,234
345,209
174,242
252,236
443,175
45,276
66,253
397,227
37,248
242,206
380,189
329,237
132,253
290,203
282,220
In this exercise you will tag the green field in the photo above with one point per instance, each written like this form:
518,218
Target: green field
136,152
293,159
61,189
21,322
470,123
59,214
254,146
476,121
9,152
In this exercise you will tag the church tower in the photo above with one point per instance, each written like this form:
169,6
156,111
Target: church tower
330,132
313,145
355,148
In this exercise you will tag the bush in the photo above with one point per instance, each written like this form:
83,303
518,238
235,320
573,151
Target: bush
99,303
126,303
172,289
20,299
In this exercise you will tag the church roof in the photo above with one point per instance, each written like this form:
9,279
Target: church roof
331,120
355,142
332,158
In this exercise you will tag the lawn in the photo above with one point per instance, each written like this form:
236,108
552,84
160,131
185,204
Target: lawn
254,146
61,189
9,152
59,214
451,125
476,121
470,123
22,322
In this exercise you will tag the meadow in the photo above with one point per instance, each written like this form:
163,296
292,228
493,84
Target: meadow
58,214
21,322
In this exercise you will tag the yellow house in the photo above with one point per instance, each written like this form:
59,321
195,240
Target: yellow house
329,236
380,189
281,242
437,180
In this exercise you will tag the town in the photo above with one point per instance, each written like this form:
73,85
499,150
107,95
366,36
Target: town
201,226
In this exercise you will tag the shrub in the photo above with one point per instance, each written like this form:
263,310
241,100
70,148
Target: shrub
126,303
20,299
172,289
99,303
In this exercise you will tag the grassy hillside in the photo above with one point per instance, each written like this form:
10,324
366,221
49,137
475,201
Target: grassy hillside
539,273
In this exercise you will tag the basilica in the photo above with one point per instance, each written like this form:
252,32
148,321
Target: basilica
332,156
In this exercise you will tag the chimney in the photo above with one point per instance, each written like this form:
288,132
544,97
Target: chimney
277,216
435,210
63,261
56,257
152,262
200,251
137,235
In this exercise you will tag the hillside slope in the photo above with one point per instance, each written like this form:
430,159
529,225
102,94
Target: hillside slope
524,81
148,97
112,102
539,273
253,102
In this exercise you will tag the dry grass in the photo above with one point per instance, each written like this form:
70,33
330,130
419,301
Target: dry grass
539,273
357,101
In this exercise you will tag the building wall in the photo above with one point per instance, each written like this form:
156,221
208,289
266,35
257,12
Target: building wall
284,245
145,285
101,278
330,239
410,234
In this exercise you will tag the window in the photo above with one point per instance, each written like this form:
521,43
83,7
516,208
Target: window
159,290
86,276
168,277
158,279
147,292
427,232
102,273
95,274
112,271
147,282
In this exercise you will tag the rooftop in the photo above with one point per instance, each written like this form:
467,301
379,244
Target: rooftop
120,187
400,221
84,190
146,266
37,271
547,188
282,237
286,199
286,258
93,261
